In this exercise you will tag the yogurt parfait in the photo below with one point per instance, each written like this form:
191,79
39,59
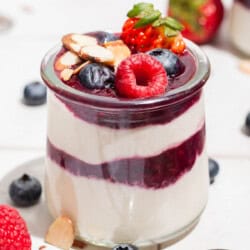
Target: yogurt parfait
126,157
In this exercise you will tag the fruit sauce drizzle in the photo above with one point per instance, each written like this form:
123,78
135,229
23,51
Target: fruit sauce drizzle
153,172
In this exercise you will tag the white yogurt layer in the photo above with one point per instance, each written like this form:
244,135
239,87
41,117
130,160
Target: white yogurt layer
95,144
240,20
107,212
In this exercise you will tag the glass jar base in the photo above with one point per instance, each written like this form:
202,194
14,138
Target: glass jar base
164,241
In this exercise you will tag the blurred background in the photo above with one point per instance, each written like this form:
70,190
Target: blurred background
28,29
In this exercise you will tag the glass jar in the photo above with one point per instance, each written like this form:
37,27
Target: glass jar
239,25
132,171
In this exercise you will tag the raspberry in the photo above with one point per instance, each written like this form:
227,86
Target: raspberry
140,76
13,230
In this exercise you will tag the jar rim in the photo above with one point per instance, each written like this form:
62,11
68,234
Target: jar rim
199,78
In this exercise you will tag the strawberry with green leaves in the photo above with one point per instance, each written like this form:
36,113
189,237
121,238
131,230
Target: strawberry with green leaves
146,29
201,18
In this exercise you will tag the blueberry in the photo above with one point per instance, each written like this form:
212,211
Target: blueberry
34,94
103,36
125,247
171,62
213,169
25,191
247,122
96,76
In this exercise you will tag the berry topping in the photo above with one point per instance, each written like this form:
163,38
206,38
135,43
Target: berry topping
213,169
140,76
145,29
96,76
13,230
125,247
25,191
169,60
34,94
104,37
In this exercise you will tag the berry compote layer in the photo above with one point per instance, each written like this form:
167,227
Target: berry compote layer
126,157
239,30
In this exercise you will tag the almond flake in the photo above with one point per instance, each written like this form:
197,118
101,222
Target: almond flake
119,49
74,42
78,69
74,47
245,66
67,60
97,53
83,40
61,233
66,74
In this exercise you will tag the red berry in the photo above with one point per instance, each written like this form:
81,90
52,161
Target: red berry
148,37
201,21
13,230
138,39
140,76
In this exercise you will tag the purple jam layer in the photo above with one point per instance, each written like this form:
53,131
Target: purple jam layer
155,172
246,3
124,119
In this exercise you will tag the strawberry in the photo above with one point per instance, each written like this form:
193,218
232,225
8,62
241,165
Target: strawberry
201,18
140,76
145,30
13,230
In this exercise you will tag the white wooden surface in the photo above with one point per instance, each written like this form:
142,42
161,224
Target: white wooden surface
38,25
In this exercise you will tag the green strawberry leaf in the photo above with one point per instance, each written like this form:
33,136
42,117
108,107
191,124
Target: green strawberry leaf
148,18
170,32
174,24
169,22
139,8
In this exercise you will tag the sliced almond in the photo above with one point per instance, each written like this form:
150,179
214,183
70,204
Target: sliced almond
245,66
67,60
97,53
74,42
84,40
77,70
61,233
66,74
119,49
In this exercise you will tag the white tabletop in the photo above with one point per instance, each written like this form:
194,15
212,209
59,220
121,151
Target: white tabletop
38,25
